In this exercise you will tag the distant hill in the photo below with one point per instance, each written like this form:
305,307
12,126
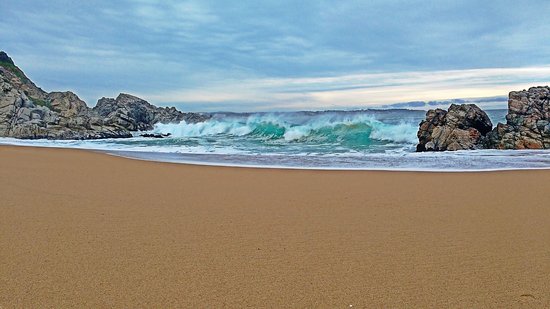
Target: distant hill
498,102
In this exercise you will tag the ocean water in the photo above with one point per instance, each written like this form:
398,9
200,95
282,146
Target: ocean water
366,139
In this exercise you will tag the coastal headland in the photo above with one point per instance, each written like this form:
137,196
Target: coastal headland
85,229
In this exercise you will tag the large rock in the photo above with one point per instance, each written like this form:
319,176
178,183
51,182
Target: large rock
19,116
527,122
67,104
461,127
136,114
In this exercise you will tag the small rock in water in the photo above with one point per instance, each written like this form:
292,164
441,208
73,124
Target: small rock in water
155,135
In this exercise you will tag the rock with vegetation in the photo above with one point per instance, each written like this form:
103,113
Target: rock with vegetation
28,112
462,127
12,74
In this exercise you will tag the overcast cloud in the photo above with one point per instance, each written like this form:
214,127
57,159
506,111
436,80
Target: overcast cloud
273,55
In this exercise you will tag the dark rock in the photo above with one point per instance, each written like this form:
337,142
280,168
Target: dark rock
5,58
154,135
461,127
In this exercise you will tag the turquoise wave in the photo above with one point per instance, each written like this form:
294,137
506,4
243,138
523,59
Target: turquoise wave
345,129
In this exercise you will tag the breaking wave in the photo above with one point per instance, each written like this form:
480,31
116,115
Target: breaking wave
353,128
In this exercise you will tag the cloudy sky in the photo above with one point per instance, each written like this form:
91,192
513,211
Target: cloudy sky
277,55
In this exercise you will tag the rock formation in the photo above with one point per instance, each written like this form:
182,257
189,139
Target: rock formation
468,127
527,123
135,114
28,112
461,127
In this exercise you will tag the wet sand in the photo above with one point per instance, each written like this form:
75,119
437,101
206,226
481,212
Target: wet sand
84,229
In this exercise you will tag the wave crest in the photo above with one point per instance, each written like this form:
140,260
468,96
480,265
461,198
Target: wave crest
325,128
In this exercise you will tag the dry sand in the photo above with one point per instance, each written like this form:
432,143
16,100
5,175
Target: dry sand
84,229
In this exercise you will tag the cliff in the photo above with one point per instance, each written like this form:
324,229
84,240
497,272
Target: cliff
28,112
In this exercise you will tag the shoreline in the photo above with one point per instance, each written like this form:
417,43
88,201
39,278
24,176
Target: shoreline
80,228
320,169
163,157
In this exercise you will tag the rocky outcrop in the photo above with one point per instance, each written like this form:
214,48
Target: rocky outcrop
527,122
136,114
19,116
28,112
462,127
468,127
55,115
67,104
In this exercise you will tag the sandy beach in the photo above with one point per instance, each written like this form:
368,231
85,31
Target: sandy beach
85,229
